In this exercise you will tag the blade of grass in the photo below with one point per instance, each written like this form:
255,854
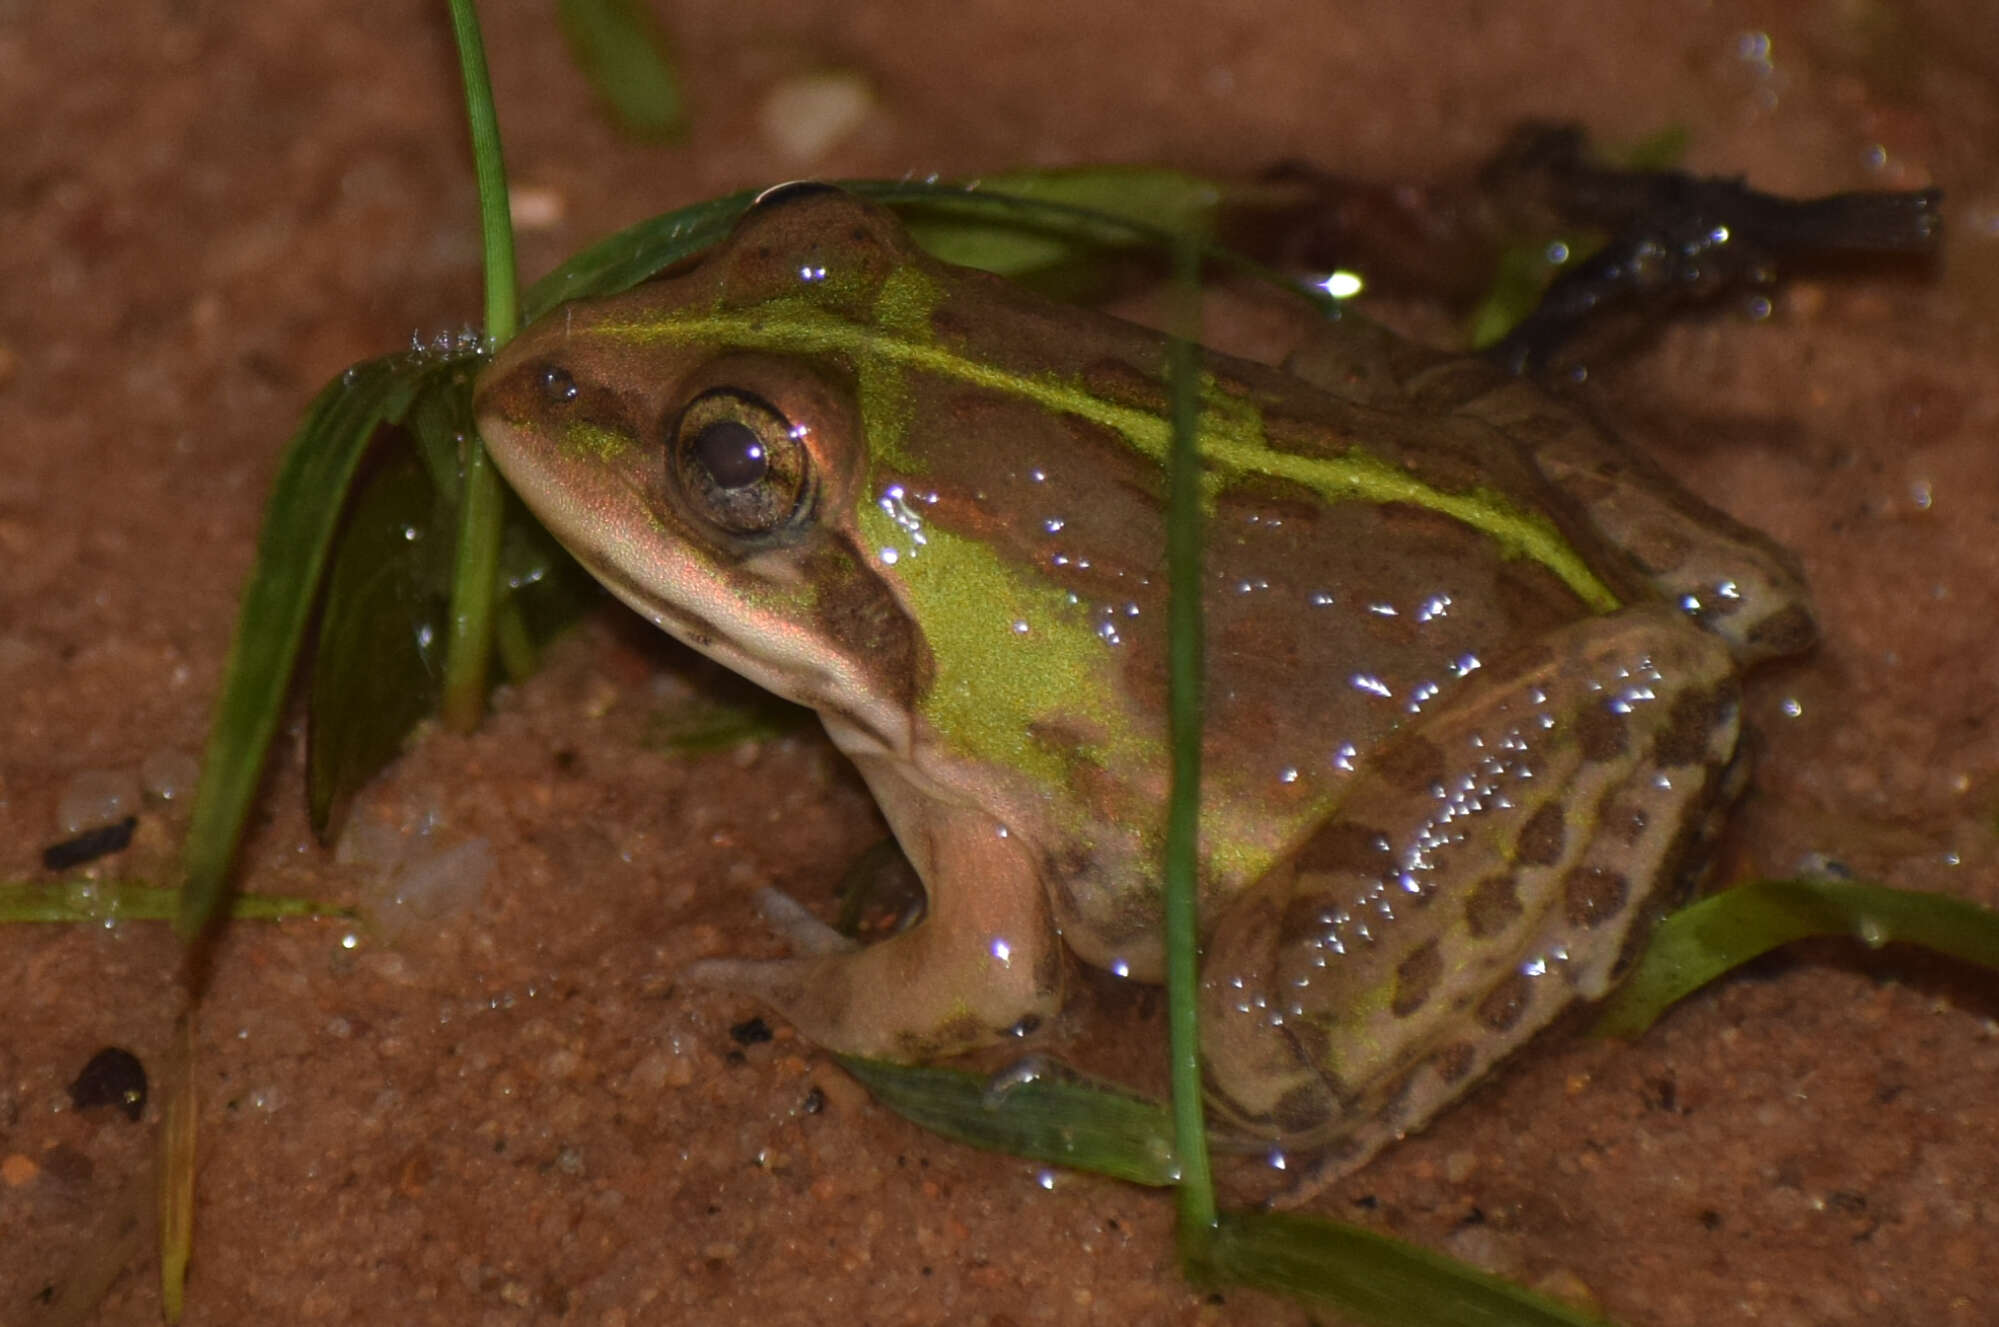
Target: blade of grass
475,577
496,226
1070,1120
176,1193
1706,939
1373,1278
84,901
1183,810
1015,245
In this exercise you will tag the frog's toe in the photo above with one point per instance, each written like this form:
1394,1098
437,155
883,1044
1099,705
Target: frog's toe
965,977
805,932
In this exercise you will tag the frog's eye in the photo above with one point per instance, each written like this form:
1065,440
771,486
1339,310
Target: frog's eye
739,462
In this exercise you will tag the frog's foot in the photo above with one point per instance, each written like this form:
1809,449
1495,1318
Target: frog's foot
1488,867
985,962
1677,238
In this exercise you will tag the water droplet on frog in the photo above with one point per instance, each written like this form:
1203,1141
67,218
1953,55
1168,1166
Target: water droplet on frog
1820,866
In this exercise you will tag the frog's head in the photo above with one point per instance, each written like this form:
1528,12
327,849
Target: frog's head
697,443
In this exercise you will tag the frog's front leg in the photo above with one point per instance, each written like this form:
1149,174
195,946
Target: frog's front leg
1490,864
984,962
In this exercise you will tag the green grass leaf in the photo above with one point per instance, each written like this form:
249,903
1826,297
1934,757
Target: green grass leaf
1069,225
625,55
1069,1120
1371,1277
1706,939
1180,865
1060,1117
82,902
973,224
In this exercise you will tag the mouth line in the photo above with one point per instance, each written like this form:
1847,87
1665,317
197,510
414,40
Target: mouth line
701,634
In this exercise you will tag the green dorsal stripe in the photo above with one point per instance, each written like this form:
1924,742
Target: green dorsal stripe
1232,440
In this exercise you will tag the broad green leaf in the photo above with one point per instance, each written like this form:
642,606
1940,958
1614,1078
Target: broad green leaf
1706,939
299,524
378,666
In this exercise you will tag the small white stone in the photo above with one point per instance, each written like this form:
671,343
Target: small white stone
807,116
536,207
97,797
169,775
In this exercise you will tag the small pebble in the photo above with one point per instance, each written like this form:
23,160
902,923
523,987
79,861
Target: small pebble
750,1032
169,775
536,207
96,797
437,884
806,117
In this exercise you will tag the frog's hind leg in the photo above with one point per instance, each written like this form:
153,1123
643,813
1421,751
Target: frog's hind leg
1489,866
984,963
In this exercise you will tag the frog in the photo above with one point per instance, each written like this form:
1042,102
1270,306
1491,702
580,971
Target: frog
1472,667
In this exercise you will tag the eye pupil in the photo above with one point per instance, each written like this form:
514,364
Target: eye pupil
732,454
738,464
557,385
